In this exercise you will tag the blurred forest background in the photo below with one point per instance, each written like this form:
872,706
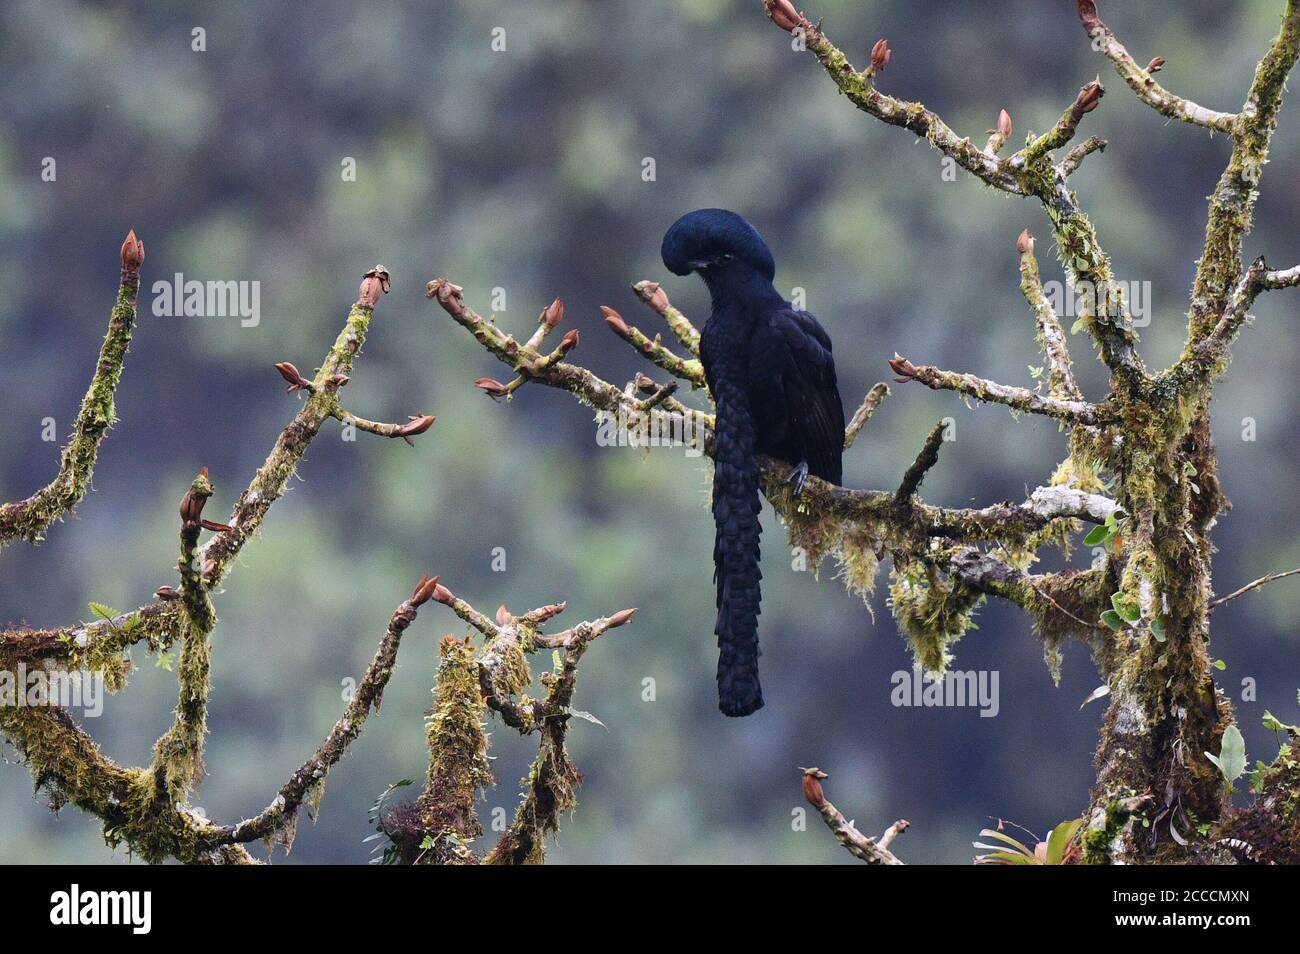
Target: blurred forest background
522,170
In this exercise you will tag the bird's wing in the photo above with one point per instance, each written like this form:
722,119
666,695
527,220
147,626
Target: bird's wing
812,391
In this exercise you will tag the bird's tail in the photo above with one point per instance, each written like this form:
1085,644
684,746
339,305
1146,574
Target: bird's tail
736,551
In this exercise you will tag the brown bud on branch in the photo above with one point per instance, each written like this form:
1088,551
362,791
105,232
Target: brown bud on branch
880,54
1089,98
999,136
569,341
374,284
424,590
450,297
492,387
1156,65
655,296
784,15
552,314
622,617
1025,243
132,252
812,787
1088,15
192,503
1004,124
905,370
416,424
167,593
296,381
616,322
549,611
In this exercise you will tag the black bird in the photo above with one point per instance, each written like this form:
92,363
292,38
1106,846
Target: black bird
772,377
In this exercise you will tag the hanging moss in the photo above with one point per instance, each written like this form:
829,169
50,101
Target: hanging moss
858,565
933,610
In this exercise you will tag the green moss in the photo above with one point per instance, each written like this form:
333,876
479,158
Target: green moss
458,762
933,610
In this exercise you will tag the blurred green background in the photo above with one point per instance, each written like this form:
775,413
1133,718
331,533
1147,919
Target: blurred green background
521,170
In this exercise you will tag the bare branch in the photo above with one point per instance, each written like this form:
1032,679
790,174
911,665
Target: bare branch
1254,584
1143,83
1027,173
415,424
159,623
1019,399
1074,158
1289,278
866,849
1232,204
271,479
864,413
466,612
178,753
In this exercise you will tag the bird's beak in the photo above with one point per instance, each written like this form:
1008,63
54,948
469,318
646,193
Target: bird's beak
697,265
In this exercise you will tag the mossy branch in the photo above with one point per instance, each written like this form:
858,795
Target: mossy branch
146,808
29,519
440,826
657,300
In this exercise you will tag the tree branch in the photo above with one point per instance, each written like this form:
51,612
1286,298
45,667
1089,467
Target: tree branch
692,370
1019,399
279,818
1051,337
159,623
1074,158
654,296
1254,584
872,851
1143,83
915,117
1233,201
1027,173
29,519
864,413
927,458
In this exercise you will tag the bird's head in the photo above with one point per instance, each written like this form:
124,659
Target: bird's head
715,241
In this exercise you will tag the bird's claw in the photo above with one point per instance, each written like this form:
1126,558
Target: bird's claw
797,477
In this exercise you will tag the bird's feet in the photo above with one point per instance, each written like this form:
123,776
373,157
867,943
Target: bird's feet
798,476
